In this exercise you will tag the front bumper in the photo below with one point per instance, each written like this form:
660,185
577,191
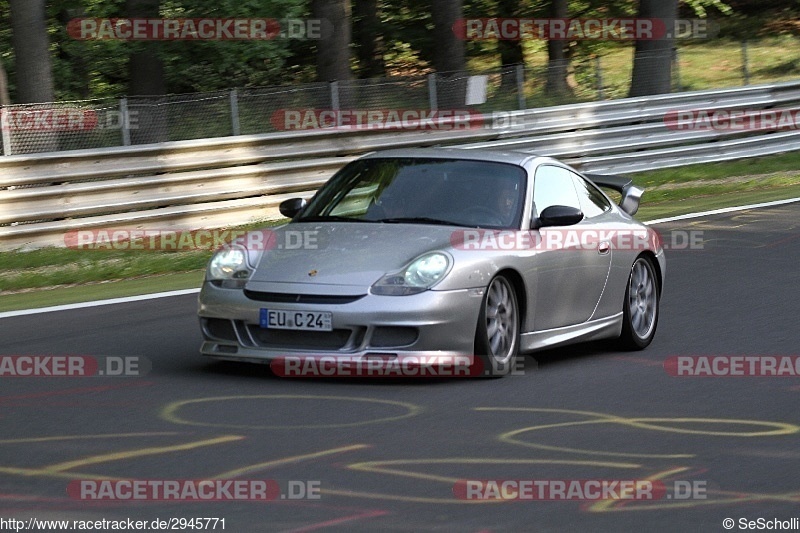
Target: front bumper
430,323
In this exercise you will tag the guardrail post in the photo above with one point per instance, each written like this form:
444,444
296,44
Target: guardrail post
521,86
5,126
598,74
335,95
335,102
236,126
126,121
432,100
745,63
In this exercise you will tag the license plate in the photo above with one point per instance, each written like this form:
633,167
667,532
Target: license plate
300,320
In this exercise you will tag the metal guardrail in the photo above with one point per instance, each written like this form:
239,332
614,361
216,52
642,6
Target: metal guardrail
633,137
237,180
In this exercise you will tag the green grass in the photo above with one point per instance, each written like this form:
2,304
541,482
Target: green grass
652,211
781,163
702,64
707,189
55,266
676,191
100,291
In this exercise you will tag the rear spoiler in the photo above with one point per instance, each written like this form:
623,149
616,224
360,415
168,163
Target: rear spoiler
631,194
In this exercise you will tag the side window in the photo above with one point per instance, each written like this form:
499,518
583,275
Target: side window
593,202
553,186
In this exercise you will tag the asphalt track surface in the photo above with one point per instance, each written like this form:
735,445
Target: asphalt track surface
386,453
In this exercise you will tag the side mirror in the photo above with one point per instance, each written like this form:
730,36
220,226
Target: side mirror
560,215
289,208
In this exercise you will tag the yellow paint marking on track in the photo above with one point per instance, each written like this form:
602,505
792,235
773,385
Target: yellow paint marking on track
572,424
782,428
130,454
687,504
38,472
78,437
729,497
377,466
394,497
287,460
606,505
593,414
601,418
170,411
652,424
507,437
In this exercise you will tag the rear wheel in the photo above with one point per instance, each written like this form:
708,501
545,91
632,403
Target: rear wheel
640,311
497,332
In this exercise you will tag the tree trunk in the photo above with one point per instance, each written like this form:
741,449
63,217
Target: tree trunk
333,49
34,71
448,49
510,51
448,54
4,97
146,78
652,63
557,56
369,38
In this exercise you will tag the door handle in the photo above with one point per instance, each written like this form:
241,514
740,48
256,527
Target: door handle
603,248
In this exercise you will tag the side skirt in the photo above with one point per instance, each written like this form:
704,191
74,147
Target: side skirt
602,328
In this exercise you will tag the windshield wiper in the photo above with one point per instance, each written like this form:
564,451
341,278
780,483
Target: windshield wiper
421,220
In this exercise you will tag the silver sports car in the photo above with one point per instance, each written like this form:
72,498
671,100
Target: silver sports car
440,252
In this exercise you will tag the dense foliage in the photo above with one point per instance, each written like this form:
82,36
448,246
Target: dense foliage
386,38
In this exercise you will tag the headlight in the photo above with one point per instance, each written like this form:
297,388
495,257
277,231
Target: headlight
229,266
422,274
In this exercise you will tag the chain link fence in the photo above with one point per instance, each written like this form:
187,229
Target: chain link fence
93,124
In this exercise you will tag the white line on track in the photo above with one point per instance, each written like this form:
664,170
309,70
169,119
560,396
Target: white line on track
143,297
722,210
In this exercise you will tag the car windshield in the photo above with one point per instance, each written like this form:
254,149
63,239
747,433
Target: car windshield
422,191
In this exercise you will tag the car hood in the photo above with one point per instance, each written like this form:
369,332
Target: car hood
343,257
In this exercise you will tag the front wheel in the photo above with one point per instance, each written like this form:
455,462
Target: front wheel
640,311
497,332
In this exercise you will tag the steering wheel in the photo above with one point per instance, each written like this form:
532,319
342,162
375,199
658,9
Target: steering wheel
485,215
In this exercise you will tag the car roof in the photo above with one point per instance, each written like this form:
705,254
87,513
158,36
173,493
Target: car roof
496,156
